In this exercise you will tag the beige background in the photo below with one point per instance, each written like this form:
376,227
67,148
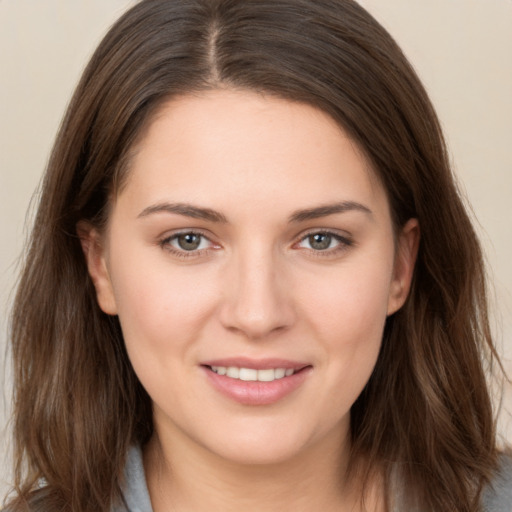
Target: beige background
462,49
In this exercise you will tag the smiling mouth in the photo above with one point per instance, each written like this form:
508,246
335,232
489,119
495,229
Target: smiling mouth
269,382
251,374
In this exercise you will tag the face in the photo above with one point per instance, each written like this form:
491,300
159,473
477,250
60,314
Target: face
252,262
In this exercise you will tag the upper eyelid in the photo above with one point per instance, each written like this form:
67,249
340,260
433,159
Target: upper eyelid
165,242
194,231
333,232
343,236
345,241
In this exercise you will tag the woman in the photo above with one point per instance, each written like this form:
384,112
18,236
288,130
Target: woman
252,282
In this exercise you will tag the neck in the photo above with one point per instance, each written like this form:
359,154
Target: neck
185,477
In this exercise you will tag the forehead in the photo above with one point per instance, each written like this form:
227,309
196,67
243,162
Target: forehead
244,145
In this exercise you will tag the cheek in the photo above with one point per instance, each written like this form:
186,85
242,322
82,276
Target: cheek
352,300
348,315
161,308
163,315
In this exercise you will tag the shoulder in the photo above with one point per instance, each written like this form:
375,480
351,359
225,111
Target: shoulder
135,492
498,496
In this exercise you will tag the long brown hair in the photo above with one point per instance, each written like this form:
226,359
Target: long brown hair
425,416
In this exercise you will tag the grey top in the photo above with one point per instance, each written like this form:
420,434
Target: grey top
498,498
136,493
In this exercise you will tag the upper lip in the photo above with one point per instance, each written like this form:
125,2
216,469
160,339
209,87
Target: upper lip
256,364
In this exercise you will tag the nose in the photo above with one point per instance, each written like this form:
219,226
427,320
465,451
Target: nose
258,301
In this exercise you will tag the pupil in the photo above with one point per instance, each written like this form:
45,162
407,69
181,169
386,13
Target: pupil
189,241
320,241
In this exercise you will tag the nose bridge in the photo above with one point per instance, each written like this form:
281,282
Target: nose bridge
257,303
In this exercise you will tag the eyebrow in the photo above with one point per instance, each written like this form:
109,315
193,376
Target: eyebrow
328,209
186,210
208,214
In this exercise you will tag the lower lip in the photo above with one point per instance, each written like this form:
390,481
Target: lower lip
256,392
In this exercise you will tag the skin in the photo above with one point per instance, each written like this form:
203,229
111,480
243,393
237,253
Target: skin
259,287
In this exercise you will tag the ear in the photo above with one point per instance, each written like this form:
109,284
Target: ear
94,252
405,259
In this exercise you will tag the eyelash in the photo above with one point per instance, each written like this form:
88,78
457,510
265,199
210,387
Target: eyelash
182,253
343,243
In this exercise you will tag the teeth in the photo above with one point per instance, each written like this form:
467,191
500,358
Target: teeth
266,375
233,372
280,373
250,374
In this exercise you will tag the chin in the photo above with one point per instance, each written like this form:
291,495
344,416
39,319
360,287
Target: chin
264,444
261,452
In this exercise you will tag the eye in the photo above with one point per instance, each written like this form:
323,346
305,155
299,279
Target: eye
324,241
187,242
